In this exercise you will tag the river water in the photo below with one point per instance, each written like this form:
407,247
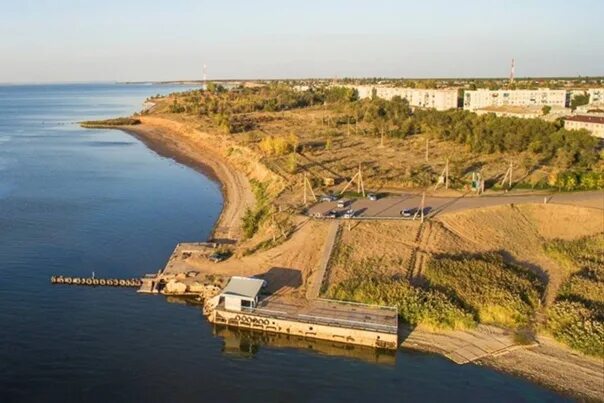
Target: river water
74,201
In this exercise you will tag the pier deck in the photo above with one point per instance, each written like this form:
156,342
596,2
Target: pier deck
328,312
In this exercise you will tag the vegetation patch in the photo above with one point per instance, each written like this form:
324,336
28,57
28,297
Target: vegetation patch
497,292
254,217
577,316
367,283
110,122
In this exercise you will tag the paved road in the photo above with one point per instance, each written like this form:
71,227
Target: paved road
390,207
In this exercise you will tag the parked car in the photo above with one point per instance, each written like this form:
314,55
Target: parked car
217,257
349,213
408,212
372,196
331,214
343,203
328,197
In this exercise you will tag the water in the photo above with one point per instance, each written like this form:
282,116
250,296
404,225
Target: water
73,201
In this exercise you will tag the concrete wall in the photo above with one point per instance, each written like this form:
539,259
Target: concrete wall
311,330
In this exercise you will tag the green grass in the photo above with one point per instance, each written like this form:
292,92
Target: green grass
110,122
254,217
367,283
577,316
498,293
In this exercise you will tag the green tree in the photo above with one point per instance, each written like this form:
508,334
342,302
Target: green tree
546,109
578,100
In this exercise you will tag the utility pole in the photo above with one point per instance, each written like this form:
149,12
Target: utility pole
444,176
447,174
427,148
358,177
360,185
508,175
312,192
420,211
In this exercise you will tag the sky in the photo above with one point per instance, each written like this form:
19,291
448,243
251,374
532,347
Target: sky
132,40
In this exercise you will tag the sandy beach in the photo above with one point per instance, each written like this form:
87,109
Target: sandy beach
187,146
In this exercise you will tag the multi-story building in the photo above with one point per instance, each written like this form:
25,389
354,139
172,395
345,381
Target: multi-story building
596,95
593,124
483,98
439,99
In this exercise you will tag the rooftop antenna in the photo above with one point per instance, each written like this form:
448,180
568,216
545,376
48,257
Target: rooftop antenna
512,72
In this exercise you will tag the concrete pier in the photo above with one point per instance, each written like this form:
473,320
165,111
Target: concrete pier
351,323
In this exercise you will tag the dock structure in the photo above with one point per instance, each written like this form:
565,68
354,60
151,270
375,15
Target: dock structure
96,282
239,305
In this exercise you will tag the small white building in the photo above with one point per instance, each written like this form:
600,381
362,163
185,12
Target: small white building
593,124
241,293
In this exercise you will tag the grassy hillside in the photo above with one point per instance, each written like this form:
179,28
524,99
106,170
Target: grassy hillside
368,283
577,316
498,293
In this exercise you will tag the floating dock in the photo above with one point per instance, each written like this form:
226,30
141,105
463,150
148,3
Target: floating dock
238,305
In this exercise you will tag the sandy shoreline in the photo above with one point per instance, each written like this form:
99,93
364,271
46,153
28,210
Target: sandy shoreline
548,364
169,142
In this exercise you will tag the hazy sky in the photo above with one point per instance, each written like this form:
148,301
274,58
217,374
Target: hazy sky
89,40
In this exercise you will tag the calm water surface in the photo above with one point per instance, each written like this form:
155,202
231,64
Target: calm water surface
73,201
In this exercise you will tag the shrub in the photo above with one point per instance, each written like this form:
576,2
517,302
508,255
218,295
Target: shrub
254,217
577,316
366,283
499,293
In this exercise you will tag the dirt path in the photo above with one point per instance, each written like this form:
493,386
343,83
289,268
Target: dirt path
316,281
187,145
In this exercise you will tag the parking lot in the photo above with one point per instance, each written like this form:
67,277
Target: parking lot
390,207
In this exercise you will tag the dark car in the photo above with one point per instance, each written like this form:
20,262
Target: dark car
331,214
343,203
217,257
350,213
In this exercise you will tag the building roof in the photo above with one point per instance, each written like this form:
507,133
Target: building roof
243,286
587,119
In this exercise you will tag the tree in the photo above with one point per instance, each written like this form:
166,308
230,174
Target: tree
578,100
546,109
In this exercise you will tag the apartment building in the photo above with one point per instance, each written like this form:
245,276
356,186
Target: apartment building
483,98
439,99
593,124
596,95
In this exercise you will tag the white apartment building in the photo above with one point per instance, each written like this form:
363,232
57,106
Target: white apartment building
441,99
596,95
483,98
593,124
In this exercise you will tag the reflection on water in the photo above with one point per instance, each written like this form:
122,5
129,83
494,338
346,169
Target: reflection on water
246,343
